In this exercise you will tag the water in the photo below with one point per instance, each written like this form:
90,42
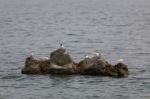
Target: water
118,28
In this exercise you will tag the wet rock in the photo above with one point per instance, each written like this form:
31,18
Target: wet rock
92,66
34,66
99,66
45,66
111,71
65,69
60,57
61,62
121,69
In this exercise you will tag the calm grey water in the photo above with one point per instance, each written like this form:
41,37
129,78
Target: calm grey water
118,28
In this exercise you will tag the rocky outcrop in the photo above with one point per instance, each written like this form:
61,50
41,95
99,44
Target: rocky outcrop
35,66
99,66
121,69
61,62
93,66
61,57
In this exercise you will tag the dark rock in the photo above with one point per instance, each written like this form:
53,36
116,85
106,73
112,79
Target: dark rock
45,66
121,69
92,66
34,66
99,66
61,62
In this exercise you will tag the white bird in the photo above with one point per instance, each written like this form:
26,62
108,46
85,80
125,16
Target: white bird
86,56
61,45
97,54
44,58
120,60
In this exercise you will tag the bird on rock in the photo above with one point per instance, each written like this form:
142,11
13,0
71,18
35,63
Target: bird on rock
61,45
87,56
120,60
97,54
45,58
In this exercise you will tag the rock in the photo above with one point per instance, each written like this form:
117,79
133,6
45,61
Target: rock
92,66
45,66
61,62
31,66
99,66
66,69
60,57
34,66
111,71
118,70
121,69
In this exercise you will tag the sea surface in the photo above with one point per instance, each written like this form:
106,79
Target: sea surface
117,28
